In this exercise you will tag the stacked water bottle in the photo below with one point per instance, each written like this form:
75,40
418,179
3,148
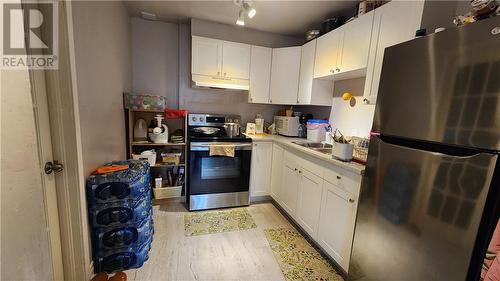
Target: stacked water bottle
121,215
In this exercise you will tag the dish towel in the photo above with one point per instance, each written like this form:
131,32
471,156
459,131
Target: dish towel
222,150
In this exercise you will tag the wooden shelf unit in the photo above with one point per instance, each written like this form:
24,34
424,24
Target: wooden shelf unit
173,124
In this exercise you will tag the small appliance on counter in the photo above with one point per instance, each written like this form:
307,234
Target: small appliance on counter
287,126
140,130
160,132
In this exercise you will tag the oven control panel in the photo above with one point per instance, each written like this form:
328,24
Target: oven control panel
198,119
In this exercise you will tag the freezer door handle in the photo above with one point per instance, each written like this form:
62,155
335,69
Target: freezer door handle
437,149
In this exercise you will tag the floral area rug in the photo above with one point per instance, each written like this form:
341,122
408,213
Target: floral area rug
207,222
298,260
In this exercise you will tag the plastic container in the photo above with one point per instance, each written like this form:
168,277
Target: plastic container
122,258
316,130
124,236
148,155
121,213
167,192
132,183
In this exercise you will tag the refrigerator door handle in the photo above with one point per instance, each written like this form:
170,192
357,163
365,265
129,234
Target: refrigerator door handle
437,149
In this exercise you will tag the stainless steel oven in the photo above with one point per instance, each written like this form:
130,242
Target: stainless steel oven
217,181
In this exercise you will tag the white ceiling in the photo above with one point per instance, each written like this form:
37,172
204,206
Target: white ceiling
283,17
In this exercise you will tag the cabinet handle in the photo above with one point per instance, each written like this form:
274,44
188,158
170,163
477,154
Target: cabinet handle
351,200
300,172
271,101
339,177
332,71
366,101
218,73
298,101
295,169
338,69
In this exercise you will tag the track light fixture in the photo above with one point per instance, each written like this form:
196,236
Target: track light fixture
246,9
241,18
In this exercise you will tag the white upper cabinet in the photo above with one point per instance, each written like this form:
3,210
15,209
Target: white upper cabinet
220,64
260,181
355,44
206,56
235,60
327,52
394,23
343,53
260,74
312,91
285,75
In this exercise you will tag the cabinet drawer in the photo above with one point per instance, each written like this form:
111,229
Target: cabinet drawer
345,180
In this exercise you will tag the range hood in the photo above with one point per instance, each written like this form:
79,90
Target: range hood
203,81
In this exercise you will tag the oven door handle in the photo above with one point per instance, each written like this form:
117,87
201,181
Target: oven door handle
206,146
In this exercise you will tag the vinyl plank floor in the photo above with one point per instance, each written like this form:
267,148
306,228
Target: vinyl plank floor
238,255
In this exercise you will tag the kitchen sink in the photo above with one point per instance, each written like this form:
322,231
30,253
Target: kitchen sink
316,146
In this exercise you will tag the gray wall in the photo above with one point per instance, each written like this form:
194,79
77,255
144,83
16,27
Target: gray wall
155,59
161,61
103,72
351,120
25,251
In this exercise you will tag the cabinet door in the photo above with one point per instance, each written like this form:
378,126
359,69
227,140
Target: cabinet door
285,75
355,44
260,74
394,23
235,60
327,52
289,189
309,201
206,54
337,220
261,168
308,53
276,172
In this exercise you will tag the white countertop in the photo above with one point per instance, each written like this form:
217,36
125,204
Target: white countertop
287,141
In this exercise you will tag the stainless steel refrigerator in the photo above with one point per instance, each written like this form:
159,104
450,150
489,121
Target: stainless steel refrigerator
430,194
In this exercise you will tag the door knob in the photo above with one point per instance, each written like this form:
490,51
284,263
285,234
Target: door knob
339,177
351,200
55,167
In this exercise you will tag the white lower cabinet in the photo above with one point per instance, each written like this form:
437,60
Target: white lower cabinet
260,180
337,220
276,172
309,201
320,197
289,189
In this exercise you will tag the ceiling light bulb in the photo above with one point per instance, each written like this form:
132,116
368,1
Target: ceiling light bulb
241,18
250,11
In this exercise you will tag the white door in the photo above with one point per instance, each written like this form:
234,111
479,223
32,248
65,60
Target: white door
327,52
276,172
337,220
235,60
394,22
41,109
260,74
308,53
289,189
285,75
356,44
309,201
262,153
206,56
